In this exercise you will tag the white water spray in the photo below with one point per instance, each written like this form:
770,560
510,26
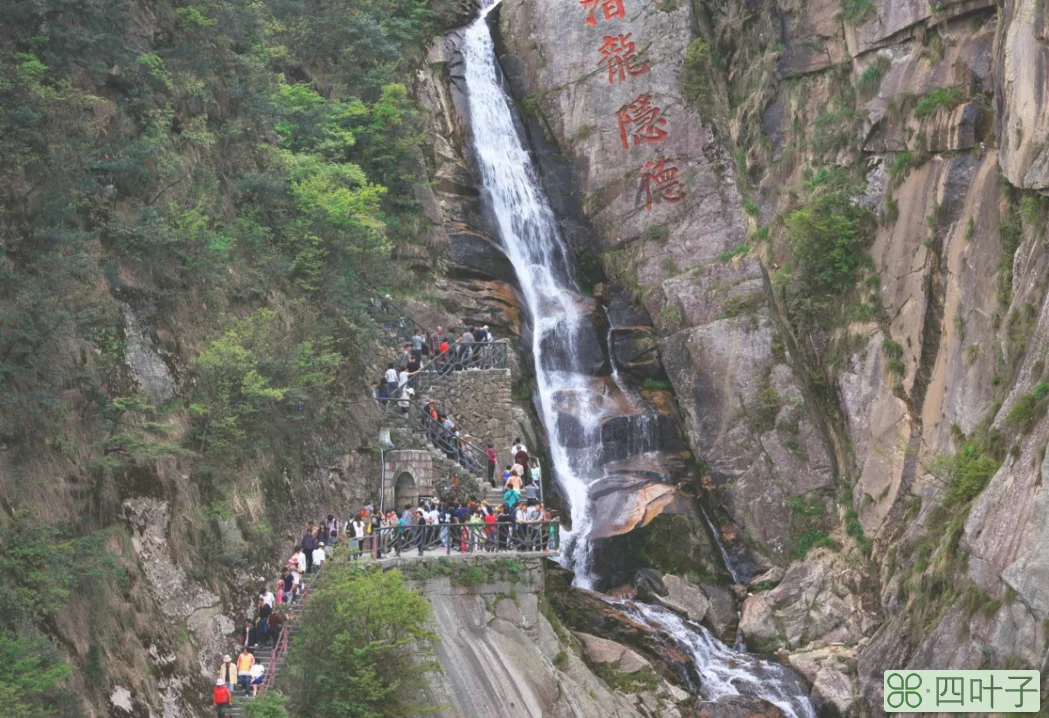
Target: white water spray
533,243
724,671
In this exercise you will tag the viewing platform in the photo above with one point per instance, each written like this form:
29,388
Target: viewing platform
540,539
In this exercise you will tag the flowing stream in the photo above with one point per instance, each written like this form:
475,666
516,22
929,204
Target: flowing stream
573,403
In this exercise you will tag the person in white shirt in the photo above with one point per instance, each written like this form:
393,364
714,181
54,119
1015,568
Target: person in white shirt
256,678
357,528
299,559
267,597
391,377
318,557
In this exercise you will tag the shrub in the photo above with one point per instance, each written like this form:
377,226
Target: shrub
363,646
1029,408
970,472
751,207
828,241
730,254
870,80
856,12
938,99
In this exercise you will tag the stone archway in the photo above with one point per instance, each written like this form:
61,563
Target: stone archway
405,491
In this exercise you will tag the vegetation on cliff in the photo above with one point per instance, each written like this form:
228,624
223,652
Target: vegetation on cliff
226,178
363,649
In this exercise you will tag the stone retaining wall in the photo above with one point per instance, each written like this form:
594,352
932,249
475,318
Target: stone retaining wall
479,402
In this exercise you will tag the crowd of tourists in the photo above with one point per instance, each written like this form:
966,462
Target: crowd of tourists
519,523
448,351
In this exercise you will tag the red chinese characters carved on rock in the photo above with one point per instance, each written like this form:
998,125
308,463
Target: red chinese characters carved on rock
611,9
618,55
640,121
659,182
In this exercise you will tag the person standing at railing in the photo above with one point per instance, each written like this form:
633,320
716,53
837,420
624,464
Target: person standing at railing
492,531
466,346
419,345
357,539
505,521
476,531
435,342
536,473
492,461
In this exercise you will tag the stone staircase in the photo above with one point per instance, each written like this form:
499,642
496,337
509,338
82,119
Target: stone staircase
264,653
408,438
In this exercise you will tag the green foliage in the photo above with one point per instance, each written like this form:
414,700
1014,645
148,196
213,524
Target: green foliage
812,539
363,645
656,384
828,237
856,12
730,254
807,521
42,567
1011,234
741,305
854,529
560,660
870,80
751,207
698,75
970,471
637,682
521,390
763,409
1029,408
258,383
269,705
254,153
940,98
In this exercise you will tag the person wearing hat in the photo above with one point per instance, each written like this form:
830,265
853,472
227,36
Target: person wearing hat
228,672
222,698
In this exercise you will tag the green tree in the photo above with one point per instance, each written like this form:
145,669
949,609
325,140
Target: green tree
364,646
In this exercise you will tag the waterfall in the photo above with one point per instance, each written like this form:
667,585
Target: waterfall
531,239
724,671
541,260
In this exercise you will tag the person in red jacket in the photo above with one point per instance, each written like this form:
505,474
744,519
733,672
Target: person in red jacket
222,698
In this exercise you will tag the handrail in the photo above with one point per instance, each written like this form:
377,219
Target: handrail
459,357
465,453
281,648
463,538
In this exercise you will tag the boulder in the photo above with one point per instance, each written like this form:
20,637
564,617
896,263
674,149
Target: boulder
738,707
835,687
649,584
817,603
685,598
770,578
602,650
721,615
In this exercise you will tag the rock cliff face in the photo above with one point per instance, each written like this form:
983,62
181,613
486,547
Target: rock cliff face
695,134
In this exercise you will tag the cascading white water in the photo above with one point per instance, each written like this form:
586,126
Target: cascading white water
533,243
724,671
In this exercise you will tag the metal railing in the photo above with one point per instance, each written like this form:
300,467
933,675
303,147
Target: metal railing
397,326
458,538
461,357
280,649
412,414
